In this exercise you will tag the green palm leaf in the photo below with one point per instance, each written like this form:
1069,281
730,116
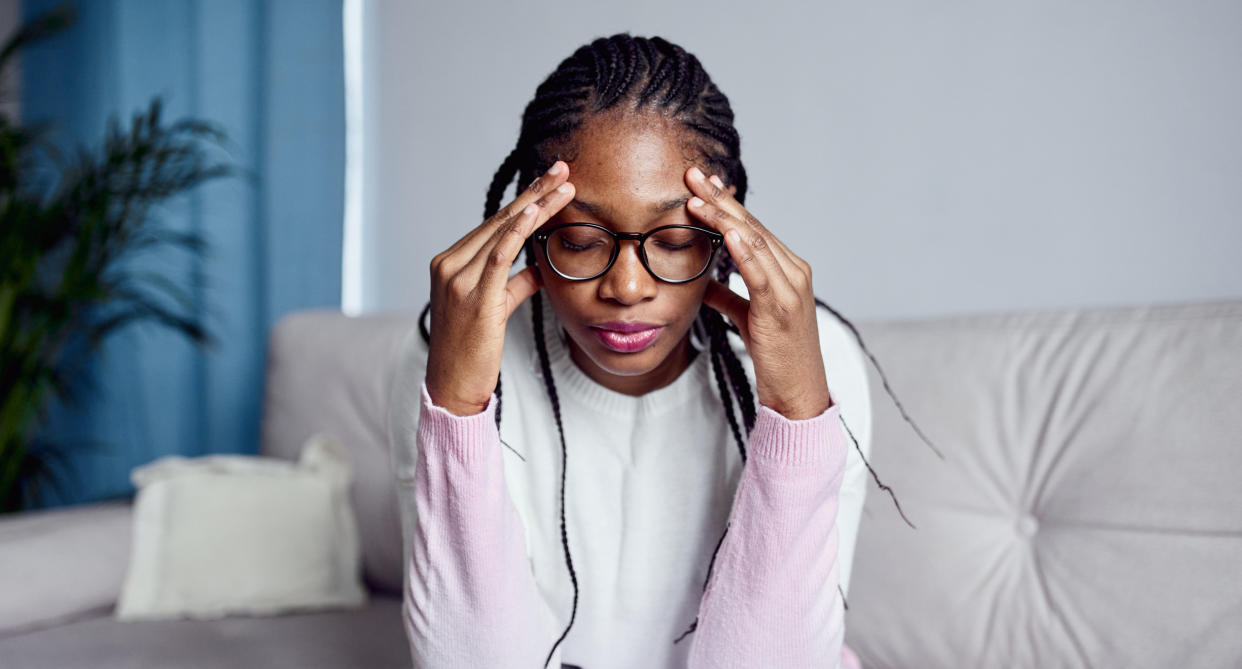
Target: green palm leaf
71,223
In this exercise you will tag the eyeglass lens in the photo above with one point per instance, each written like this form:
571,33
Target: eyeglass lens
674,254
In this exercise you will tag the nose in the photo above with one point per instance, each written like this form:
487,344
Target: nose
627,281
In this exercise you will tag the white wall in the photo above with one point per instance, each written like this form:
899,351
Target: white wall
926,158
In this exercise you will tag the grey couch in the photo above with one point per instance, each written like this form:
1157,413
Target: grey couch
1087,511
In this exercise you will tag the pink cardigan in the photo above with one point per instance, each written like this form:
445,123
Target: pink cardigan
772,599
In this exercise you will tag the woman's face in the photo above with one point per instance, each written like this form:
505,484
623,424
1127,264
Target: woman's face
629,176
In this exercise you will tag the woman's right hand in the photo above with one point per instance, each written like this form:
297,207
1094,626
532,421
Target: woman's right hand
472,295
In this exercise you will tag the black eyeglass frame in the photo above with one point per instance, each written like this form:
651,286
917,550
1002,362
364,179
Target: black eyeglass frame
543,234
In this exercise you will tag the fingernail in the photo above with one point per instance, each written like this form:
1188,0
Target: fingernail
695,202
564,188
696,174
556,168
716,180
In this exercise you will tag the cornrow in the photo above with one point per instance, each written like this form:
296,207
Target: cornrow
716,335
647,75
546,367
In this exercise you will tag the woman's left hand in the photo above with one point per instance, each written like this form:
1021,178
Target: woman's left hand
778,324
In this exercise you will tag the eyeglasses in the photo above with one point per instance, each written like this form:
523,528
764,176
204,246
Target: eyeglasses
671,253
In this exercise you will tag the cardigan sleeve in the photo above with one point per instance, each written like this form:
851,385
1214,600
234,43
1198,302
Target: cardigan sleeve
471,598
772,598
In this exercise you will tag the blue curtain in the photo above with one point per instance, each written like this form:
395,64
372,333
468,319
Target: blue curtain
271,73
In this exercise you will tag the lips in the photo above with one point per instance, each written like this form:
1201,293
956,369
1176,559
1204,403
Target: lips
624,337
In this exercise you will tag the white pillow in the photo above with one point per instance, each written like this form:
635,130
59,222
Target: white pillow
239,534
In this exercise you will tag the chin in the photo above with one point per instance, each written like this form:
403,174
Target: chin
625,364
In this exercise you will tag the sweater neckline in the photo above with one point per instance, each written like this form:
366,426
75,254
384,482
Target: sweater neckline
574,383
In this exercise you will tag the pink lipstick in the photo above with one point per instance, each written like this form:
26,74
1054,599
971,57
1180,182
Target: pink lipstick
627,337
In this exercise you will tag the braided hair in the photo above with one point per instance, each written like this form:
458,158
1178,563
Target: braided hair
646,75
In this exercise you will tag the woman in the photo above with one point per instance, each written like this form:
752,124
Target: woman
599,516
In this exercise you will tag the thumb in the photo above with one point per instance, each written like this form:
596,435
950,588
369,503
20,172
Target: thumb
734,307
521,286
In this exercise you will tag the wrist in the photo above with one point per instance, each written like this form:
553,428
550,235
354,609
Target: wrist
802,407
454,404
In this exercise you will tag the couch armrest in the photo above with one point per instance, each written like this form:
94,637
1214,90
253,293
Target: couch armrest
62,564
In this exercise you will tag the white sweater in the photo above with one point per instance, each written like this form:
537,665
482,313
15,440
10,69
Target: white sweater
649,486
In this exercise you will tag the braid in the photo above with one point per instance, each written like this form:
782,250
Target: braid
500,182
719,349
639,75
737,375
550,385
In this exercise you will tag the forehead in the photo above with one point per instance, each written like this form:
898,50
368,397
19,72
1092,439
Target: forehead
629,158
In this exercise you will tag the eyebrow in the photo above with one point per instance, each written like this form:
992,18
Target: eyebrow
656,207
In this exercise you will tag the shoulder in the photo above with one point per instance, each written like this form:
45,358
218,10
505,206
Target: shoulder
409,367
845,364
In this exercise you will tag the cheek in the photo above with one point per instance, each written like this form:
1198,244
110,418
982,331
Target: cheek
686,301
693,297
571,300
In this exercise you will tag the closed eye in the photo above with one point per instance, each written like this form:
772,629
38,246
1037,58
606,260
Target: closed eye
570,246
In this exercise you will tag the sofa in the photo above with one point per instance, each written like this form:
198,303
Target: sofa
1070,482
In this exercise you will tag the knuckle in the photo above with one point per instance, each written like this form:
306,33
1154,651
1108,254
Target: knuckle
437,267
804,280
798,277
513,229
498,255
538,186
757,241
715,191
459,286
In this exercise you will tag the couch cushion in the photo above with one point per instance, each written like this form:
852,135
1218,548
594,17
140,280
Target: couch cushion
62,564
368,637
227,534
327,372
1087,511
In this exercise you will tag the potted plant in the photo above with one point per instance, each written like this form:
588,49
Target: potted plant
68,226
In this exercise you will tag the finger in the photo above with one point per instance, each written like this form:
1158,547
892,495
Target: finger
490,266
492,261
793,262
540,188
713,190
730,202
755,258
521,286
734,307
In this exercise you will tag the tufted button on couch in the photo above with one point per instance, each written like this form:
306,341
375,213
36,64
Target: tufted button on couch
1088,509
